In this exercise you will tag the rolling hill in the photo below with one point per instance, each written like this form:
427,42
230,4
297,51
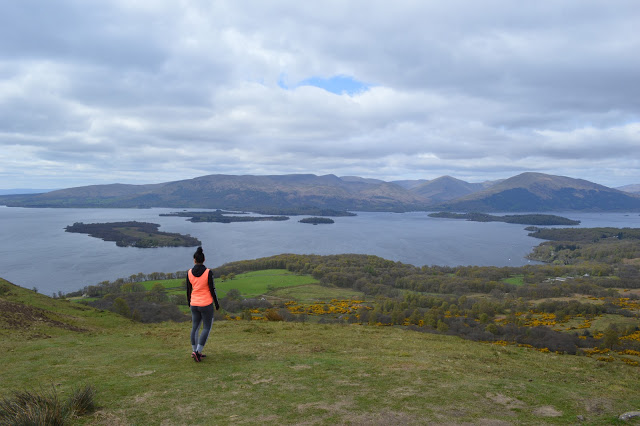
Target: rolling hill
530,192
235,192
634,188
295,373
534,192
446,188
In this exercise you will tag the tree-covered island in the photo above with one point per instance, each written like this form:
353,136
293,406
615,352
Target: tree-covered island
221,216
134,234
306,211
316,220
522,219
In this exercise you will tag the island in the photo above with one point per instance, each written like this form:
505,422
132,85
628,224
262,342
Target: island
522,219
221,216
316,220
306,211
134,234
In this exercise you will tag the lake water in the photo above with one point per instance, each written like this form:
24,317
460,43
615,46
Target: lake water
35,250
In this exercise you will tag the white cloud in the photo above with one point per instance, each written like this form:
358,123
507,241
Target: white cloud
158,91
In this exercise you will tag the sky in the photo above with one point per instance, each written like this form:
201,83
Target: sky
136,92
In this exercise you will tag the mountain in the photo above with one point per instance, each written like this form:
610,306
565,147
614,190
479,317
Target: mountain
529,192
254,193
360,179
634,188
410,184
446,188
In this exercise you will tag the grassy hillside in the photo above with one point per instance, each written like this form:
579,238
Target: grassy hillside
286,373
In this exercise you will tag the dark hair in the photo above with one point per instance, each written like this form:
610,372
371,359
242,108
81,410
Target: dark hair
199,255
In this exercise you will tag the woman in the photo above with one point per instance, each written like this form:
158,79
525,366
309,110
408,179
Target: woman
201,295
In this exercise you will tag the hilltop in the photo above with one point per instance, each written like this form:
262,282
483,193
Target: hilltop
284,373
541,192
306,194
446,188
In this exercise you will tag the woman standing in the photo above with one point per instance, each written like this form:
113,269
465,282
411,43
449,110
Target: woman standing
201,295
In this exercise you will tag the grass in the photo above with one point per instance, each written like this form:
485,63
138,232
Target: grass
515,280
176,284
257,283
250,284
285,373
44,407
294,373
601,323
311,293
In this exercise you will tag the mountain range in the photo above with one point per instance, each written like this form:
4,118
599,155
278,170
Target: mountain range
526,192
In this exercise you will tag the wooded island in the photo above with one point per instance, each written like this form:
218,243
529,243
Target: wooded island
221,216
522,219
134,234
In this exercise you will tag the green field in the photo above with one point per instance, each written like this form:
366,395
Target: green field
257,283
297,373
311,293
515,280
250,284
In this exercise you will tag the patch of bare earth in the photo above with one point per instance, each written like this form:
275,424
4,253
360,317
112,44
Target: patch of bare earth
107,418
21,317
506,401
598,405
546,411
390,418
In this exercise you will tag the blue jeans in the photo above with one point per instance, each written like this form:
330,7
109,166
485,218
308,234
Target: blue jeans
201,315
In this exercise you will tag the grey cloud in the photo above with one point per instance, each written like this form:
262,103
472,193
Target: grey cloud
461,88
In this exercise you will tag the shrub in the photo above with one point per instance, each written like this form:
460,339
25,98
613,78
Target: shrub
178,299
272,315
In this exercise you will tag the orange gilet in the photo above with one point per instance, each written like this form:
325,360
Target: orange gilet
200,295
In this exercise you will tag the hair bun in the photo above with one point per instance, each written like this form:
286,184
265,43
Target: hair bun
199,250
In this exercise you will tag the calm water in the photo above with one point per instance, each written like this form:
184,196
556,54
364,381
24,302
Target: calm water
35,251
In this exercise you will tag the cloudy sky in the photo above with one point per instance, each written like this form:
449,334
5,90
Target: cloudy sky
153,91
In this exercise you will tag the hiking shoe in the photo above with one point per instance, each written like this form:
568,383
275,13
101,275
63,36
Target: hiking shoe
197,357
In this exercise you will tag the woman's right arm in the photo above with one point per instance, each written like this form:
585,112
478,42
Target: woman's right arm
189,289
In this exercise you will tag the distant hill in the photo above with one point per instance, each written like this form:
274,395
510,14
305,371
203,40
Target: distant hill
527,192
634,188
236,192
410,184
542,192
24,191
446,188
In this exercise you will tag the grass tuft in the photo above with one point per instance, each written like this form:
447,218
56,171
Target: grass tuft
44,407
82,401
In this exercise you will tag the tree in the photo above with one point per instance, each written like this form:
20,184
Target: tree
610,338
121,307
136,316
132,287
442,327
157,294
234,294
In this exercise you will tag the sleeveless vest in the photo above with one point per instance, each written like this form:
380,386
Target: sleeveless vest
200,294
